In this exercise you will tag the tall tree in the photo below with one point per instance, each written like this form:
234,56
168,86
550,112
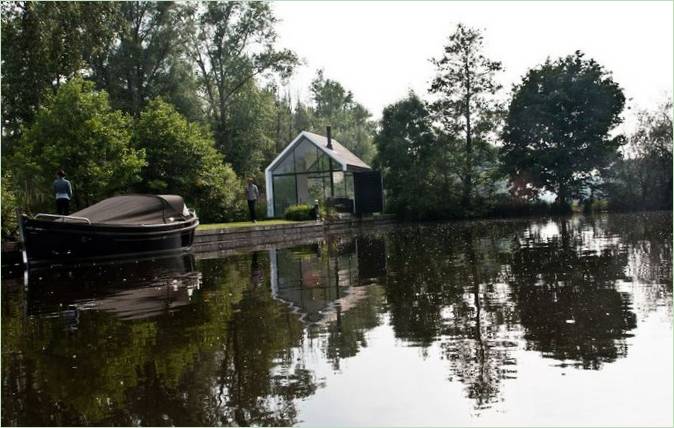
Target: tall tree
642,177
232,44
43,45
408,153
465,104
147,60
558,123
248,139
335,106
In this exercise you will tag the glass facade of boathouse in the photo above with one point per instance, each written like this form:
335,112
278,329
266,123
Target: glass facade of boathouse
311,168
307,174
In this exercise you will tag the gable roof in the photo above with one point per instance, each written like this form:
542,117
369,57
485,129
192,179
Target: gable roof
339,153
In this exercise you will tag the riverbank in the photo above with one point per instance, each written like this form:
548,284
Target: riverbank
260,234
230,236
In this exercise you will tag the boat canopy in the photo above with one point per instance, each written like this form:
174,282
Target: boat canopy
136,209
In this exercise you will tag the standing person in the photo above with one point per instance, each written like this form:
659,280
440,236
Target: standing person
252,193
64,191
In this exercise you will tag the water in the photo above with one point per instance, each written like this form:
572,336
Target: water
525,322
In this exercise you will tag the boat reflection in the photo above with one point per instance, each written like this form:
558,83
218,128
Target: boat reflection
129,290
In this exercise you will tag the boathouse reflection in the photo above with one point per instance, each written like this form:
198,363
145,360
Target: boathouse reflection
320,281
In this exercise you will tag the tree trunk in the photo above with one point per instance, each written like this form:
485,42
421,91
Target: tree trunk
468,173
561,195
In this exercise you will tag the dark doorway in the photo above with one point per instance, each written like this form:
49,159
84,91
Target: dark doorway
368,193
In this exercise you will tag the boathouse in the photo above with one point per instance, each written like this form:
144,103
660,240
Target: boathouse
316,167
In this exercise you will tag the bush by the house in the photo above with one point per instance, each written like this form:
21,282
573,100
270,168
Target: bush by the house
299,212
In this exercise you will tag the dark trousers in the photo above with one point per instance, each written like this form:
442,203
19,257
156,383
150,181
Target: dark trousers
251,209
63,206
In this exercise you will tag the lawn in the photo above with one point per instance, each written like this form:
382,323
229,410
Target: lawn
243,224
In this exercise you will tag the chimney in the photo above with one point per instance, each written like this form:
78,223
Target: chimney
329,137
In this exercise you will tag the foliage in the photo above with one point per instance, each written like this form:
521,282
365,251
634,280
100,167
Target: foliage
335,106
557,128
465,104
642,179
219,64
45,44
421,165
8,205
147,59
409,154
233,43
182,159
246,141
504,206
299,212
77,130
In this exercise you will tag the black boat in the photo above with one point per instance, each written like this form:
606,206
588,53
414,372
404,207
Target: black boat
117,227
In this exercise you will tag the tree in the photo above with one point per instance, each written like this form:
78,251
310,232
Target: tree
182,159
76,129
335,106
558,123
641,178
45,44
247,141
407,149
148,58
465,89
233,43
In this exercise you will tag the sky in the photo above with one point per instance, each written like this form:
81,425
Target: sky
381,50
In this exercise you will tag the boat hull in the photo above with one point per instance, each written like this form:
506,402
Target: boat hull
64,242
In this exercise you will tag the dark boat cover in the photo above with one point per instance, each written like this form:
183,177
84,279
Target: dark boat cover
136,209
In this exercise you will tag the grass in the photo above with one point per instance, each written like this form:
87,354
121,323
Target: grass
243,224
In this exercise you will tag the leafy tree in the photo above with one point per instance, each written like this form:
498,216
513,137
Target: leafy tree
182,159
302,118
335,106
558,123
76,129
44,45
284,125
148,59
407,149
465,104
421,165
233,43
642,179
248,141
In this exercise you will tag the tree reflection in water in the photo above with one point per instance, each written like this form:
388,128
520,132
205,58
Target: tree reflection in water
223,342
449,291
564,285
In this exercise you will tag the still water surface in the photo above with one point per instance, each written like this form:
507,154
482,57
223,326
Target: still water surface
525,322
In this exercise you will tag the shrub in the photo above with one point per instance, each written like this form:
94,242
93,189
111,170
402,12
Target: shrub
77,130
299,212
505,206
182,159
8,204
